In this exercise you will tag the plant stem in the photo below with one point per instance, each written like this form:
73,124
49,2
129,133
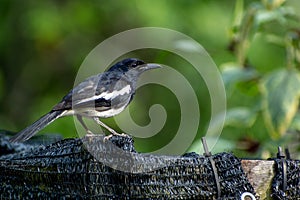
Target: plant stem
291,49
243,37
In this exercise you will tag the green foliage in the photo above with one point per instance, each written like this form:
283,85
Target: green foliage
233,75
266,43
281,91
240,117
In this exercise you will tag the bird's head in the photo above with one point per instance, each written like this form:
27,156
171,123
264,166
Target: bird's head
133,65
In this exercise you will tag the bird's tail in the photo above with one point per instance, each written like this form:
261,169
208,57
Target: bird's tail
45,120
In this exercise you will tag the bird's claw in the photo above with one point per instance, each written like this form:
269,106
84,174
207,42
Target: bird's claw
89,133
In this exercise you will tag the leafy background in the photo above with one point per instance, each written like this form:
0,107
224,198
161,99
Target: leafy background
254,43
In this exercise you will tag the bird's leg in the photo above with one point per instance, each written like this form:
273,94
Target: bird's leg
88,131
112,131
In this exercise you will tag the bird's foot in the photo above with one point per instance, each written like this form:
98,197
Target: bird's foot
89,133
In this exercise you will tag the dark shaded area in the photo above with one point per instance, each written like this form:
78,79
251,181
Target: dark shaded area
7,147
66,169
290,189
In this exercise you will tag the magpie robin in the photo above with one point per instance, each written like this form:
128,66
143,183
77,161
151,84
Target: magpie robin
103,95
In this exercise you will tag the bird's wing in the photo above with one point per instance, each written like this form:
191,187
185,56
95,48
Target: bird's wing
96,91
83,91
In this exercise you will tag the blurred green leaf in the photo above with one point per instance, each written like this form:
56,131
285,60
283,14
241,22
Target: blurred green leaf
271,4
238,13
249,87
279,15
295,124
262,48
232,74
240,117
281,91
272,38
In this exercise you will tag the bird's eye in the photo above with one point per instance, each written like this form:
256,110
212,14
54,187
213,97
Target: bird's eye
137,63
134,64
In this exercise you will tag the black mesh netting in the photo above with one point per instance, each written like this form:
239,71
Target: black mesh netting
67,170
292,188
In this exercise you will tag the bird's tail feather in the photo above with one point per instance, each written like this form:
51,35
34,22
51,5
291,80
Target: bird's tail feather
45,120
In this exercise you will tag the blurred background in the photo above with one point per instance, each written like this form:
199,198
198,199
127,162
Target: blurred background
43,43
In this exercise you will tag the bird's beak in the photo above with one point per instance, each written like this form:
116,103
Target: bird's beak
149,66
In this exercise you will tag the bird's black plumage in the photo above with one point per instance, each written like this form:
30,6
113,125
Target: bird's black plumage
103,95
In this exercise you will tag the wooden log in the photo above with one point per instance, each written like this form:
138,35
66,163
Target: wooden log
260,174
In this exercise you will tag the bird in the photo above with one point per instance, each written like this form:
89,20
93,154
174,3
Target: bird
100,96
